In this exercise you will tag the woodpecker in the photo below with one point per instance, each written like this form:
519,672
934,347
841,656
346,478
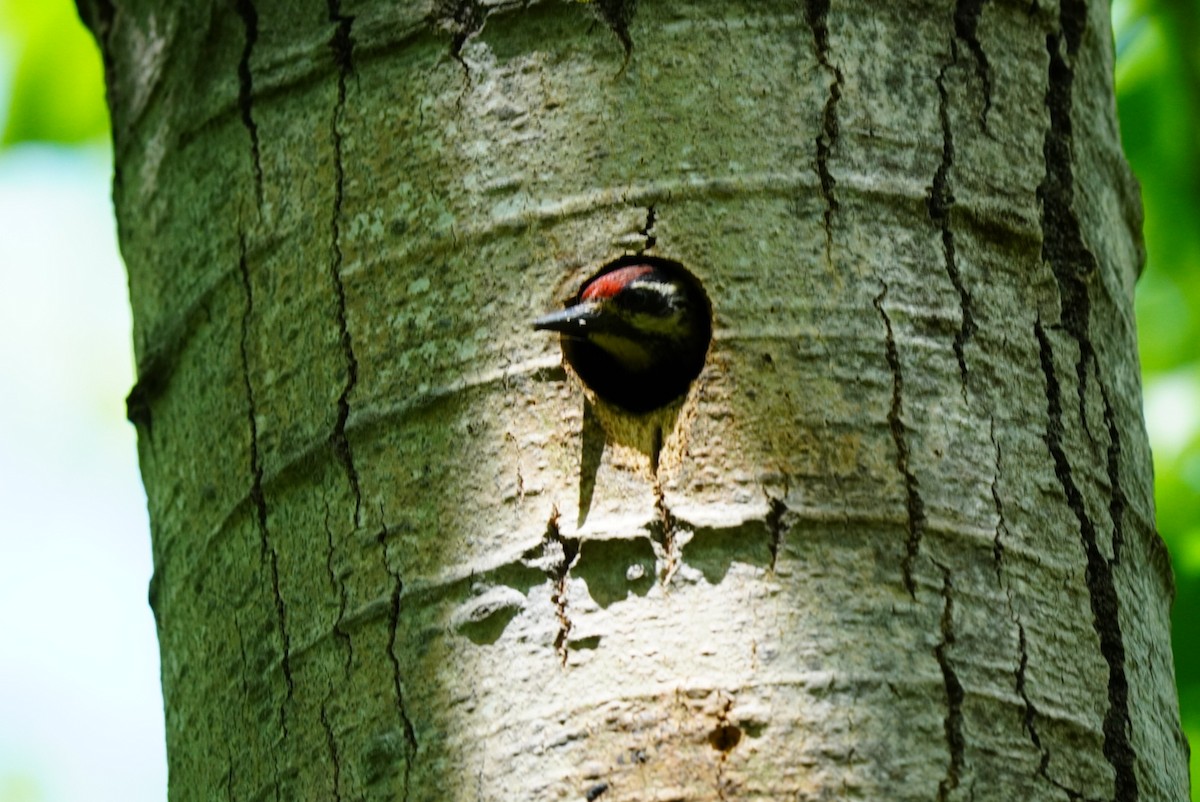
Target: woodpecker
636,333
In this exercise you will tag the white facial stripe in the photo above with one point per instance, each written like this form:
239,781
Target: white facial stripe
668,290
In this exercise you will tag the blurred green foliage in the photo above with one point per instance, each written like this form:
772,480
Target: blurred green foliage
57,83
1158,99
56,95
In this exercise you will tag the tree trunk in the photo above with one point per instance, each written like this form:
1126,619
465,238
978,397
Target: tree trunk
897,542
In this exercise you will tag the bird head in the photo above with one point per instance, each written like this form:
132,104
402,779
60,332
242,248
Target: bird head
636,333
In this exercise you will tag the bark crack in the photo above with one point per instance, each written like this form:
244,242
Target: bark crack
331,744
257,498
775,511
724,737
665,527
249,15
558,571
648,230
342,45
1063,247
463,19
1072,18
1029,715
914,504
410,734
1001,524
939,203
816,13
1117,500
966,28
1073,265
1102,592
339,588
1029,710
953,723
617,15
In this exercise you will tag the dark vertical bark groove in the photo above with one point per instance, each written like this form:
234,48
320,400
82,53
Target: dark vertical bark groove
1063,248
669,526
966,28
1001,524
270,555
953,723
1102,592
775,511
940,199
1074,265
1029,715
559,568
342,45
816,13
617,15
1117,500
335,759
464,18
914,504
249,15
648,230
1029,710
339,590
410,734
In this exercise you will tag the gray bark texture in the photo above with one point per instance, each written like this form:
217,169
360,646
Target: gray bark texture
896,543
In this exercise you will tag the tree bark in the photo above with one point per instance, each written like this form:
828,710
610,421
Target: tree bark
898,540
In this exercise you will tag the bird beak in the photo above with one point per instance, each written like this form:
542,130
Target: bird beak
574,321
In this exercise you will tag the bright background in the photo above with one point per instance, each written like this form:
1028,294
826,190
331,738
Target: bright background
80,708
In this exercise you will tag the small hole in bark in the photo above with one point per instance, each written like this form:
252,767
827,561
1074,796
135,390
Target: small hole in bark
725,737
